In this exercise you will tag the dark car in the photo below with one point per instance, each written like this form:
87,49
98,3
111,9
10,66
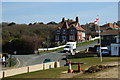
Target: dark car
47,60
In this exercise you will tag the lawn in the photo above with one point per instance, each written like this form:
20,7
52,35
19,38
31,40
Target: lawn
56,72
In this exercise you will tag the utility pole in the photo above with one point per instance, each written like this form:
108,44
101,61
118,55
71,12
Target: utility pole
47,42
100,43
10,52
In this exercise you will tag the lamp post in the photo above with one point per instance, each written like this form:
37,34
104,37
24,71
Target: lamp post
47,43
10,52
100,44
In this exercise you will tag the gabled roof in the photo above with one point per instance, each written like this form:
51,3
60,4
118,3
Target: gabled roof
68,24
63,25
78,27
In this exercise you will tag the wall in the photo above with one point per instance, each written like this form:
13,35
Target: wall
42,49
11,72
15,71
95,38
1,74
48,65
115,49
35,67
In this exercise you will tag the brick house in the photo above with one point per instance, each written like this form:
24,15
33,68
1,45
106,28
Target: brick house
69,30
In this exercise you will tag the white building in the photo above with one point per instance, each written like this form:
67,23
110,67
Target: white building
115,47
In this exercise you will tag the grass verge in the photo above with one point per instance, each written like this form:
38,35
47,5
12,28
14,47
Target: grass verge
56,72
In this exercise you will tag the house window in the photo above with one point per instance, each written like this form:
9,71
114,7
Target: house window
57,38
58,31
64,31
72,37
71,31
63,38
115,48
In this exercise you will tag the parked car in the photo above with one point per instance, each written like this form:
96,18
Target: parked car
47,60
104,51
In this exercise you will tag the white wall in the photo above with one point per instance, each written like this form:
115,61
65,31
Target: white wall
35,67
42,49
83,34
115,49
16,71
1,74
48,65
12,72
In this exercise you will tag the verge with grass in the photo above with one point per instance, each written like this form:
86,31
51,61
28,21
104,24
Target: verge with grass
57,72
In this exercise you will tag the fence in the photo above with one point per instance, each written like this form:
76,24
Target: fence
11,72
95,38
43,49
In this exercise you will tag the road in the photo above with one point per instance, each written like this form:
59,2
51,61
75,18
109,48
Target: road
86,46
27,60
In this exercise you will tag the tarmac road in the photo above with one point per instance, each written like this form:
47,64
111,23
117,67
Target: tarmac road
86,46
27,60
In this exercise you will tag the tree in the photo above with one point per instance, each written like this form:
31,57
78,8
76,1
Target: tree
11,24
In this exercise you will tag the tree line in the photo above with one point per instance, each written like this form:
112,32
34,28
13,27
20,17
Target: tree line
24,39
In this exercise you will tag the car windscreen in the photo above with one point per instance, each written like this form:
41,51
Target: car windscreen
105,50
67,46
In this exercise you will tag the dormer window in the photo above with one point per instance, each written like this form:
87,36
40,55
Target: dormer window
71,31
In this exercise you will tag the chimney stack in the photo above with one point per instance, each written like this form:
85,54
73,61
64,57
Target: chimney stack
77,20
63,19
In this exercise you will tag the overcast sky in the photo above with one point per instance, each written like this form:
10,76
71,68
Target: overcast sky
30,12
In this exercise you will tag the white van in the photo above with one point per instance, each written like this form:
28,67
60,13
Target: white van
70,47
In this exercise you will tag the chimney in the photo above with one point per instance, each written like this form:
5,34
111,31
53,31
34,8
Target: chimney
77,20
63,19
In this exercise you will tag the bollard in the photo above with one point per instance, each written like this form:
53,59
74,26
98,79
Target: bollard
69,67
3,74
28,69
55,65
79,69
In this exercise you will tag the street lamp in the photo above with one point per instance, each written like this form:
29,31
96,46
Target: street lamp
47,42
10,52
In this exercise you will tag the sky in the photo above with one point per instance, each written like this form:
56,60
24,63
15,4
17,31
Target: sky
30,12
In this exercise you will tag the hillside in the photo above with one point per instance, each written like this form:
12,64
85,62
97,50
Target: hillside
26,37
